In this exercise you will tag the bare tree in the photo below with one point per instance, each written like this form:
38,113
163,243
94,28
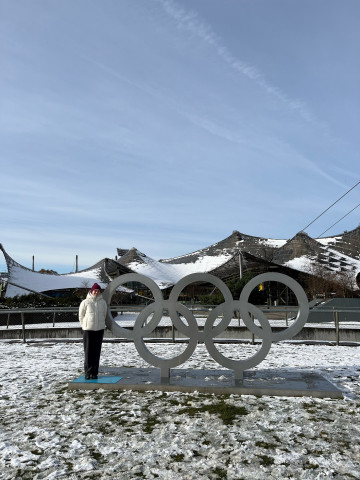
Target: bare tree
320,281
83,290
345,283
323,282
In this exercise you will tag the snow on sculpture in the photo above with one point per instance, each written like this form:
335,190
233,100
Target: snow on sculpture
143,328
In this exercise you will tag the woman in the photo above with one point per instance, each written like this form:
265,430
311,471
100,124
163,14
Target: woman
92,314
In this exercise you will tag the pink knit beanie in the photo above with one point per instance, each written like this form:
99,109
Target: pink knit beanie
95,287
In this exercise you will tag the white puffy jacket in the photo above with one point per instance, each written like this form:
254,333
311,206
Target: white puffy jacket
92,312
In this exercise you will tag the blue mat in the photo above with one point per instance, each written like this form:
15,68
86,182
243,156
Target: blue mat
101,379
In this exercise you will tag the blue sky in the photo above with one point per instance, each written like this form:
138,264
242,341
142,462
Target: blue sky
166,125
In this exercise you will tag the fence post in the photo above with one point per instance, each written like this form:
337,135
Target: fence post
337,329
252,334
8,321
23,326
173,328
54,318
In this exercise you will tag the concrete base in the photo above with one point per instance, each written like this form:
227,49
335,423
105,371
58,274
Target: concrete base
275,382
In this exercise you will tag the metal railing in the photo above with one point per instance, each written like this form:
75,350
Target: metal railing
64,315
67,317
50,315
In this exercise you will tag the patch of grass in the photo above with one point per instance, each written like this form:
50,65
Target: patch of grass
108,427
37,451
220,472
150,423
262,444
320,419
265,460
315,452
179,457
119,420
115,395
346,444
227,413
92,475
95,455
225,396
78,393
194,398
309,407
20,474
62,390
69,466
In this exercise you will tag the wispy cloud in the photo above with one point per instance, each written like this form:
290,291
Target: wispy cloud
344,172
284,153
190,21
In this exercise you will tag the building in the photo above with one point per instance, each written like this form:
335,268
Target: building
300,257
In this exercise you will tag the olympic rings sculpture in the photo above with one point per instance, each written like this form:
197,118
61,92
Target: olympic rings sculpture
143,328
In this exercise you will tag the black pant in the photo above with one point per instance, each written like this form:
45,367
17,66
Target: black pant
92,349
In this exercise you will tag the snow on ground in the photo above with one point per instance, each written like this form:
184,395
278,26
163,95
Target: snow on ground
49,432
